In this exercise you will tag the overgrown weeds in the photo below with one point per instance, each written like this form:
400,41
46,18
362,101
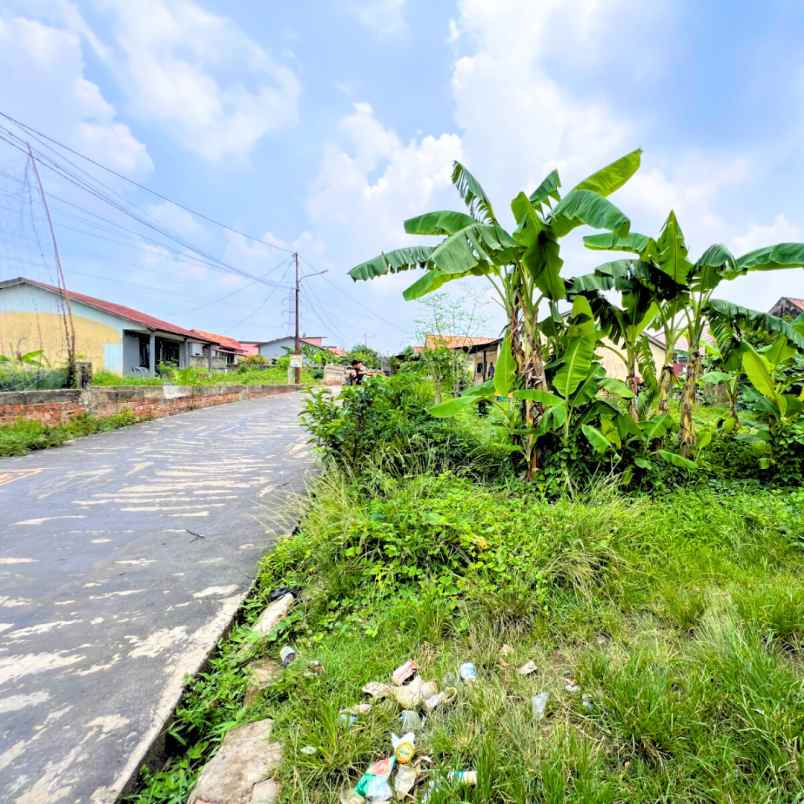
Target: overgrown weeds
27,435
680,617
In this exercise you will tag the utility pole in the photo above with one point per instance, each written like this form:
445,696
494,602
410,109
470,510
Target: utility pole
297,348
66,309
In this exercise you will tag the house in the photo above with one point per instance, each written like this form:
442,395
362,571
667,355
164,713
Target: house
484,358
112,337
222,354
788,307
279,347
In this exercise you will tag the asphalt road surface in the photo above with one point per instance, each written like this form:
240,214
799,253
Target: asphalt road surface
123,556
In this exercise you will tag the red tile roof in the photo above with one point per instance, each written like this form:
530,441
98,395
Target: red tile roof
114,309
232,344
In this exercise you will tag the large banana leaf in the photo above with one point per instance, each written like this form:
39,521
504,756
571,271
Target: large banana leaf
544,263
474,247
613,176
472,193
575,366
608,241
769,258
722,312
715,264
430,282
606,277
528,223
538,395
546,190
598,441
670,252
758,372
584,206
402,259
442,222
452,407
505,370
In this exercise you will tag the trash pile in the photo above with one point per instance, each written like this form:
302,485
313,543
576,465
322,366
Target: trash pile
417,698
396,775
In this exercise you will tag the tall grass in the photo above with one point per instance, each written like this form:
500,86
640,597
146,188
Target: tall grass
682,617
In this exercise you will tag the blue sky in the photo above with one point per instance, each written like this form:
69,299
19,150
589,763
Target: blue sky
320,126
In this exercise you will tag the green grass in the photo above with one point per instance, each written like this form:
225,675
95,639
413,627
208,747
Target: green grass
26,435
192,376
681,615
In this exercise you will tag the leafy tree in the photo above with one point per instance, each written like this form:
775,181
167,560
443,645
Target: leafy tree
684,290
523,266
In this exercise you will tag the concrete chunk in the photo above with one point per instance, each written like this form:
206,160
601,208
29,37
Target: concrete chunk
266,792
245,759
262,673
272,615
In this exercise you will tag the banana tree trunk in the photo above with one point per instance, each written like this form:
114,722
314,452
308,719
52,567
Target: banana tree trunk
633,383
527,353
687,432
665,383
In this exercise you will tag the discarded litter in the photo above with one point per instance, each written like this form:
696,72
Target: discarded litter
357,709
413,694
468,673
586,703
506,650
405,780
377,690
350,797
404,673
308,750
410,720
539,704
527,668
281,591
316,667
373,784
347,720
404,747
434,701
572,687
467,777
287,655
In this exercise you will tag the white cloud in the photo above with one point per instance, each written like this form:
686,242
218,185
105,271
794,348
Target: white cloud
383,17
44,62
779,230
177,221
214,89
370,181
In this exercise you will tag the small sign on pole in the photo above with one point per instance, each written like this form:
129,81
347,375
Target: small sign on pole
295,361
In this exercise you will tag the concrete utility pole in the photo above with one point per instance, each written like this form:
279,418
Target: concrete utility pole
297,347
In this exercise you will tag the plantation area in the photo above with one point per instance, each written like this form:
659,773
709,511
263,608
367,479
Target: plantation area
639,542
676,609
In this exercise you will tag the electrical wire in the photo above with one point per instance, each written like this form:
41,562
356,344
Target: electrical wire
32,130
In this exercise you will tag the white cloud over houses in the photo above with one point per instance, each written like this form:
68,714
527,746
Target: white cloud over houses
212,88
39,61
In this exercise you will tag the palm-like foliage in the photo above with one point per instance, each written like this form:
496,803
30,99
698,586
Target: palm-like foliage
683,292
523,266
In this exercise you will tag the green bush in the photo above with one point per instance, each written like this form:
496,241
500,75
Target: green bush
386,421
27,379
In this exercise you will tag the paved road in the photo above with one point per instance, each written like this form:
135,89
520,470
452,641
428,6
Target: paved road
122,558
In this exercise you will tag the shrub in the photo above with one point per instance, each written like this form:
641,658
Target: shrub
386,421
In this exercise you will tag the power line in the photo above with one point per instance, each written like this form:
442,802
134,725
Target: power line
213,261
109,170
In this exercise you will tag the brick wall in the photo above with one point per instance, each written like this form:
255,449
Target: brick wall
144,401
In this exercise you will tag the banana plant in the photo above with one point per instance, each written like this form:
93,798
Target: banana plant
523,266
774,406
688,287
